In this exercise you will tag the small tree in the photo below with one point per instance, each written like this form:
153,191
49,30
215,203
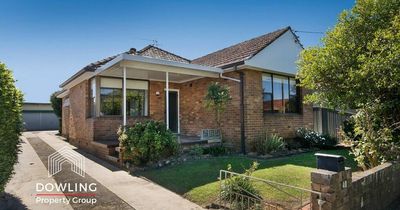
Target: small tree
56,103
217,99
358,67
10,124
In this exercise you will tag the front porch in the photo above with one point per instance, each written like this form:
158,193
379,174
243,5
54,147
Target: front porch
131,89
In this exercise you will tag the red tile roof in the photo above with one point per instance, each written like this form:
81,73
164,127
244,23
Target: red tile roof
222,58
239,52
155,52
149,51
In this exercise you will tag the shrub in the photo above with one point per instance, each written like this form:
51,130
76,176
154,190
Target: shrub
292,144
56,104
374,143
10,124
348,130
147,142
196,151
217,99
357,67
310,138
239,185
217,150
269,143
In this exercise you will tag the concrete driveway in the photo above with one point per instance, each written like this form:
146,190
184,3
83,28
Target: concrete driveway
112,188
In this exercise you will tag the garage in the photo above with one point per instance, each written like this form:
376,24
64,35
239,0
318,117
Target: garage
39,117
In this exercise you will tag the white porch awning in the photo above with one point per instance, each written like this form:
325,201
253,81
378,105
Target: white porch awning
147,68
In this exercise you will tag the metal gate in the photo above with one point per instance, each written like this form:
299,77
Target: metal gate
286,196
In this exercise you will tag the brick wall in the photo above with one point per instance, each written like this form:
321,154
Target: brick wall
81,129
65,120
373,189
257,122
157,103
253,103
194,115
105,128
286,124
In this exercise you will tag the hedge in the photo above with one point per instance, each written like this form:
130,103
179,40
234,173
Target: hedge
10,124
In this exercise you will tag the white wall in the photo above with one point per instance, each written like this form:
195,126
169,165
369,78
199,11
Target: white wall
280,56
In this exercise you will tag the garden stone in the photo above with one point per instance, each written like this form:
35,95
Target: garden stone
267,156
252,154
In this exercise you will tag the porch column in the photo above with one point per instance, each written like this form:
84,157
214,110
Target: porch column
124,96
167,98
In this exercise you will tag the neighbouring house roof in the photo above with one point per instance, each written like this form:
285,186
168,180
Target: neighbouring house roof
239,52
148,51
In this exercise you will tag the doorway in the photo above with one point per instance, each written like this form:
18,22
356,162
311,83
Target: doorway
173,110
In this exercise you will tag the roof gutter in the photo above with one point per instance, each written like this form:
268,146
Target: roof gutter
228,78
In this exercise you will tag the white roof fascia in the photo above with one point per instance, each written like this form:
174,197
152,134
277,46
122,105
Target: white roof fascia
149,60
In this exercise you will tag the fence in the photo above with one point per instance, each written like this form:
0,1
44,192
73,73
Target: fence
270,195
328,121
374,189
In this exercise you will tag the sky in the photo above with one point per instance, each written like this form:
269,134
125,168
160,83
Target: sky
44,42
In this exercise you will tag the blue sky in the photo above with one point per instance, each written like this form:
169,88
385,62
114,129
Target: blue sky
45,42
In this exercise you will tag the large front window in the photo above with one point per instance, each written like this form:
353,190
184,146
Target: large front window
280,94
111,97
136,102
110,101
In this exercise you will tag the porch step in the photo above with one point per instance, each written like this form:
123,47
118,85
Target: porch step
107,143
193,142
112,158
107,150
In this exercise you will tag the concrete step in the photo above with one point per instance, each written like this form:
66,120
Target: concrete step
107,150
112,159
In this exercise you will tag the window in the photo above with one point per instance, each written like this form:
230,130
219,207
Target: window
93,97
267,92
280,94
111,97
294,99
136,102
110,101
136,98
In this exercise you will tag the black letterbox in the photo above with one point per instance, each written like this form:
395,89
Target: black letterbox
330,162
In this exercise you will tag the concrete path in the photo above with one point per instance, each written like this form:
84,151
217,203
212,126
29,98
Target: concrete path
126,191
28,171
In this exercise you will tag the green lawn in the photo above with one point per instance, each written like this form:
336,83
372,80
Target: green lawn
197,180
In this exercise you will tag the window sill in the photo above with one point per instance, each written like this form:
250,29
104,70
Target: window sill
119,117
281,114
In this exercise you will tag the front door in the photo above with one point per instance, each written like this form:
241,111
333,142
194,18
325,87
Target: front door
173,111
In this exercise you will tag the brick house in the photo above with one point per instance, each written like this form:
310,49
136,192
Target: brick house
153,83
